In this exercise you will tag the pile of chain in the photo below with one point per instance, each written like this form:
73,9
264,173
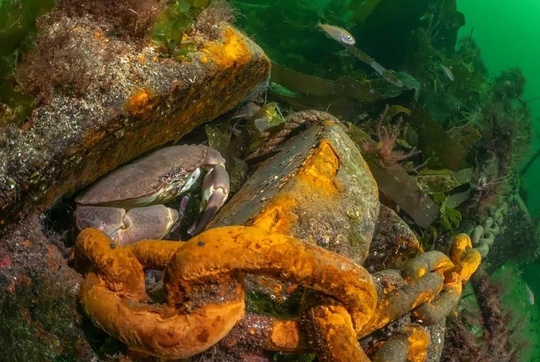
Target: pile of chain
484,234
205,295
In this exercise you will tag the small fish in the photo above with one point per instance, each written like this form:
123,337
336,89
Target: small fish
447,72
340,35
530,295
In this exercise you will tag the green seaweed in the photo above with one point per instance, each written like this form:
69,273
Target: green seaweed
266,121
261,303
36,323
17,27
17,20
437,147
449,218
172,23
341,97
362,9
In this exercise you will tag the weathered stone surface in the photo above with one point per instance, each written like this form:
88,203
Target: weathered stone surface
318,189
145,101
40,318
393,243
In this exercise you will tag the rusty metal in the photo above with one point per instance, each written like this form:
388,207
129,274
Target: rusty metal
410,345
205,294
465,260
329,329
113,293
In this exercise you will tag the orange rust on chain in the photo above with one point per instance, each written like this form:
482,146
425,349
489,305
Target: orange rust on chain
402,301
433,286
465,258
418,340
315,176
268,333
410,345
432,312
113,296
461,243
431,261
113,293
285,335
465,261
253,250
469,264
339,307
330,329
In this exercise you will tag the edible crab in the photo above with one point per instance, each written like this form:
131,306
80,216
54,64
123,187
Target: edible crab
127,204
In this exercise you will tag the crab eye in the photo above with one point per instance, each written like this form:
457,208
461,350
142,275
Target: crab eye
165,179
179,173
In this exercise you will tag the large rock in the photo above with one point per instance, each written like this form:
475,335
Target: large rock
318,189
147,100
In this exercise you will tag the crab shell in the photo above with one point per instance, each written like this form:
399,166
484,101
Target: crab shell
127,203
156,178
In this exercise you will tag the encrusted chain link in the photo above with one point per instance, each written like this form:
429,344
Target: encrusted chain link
205,295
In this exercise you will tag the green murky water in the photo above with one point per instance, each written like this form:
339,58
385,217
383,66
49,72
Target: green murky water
508,33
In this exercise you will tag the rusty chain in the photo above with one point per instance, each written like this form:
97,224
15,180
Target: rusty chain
205,297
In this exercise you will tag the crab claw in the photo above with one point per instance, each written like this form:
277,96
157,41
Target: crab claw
215,192
125,227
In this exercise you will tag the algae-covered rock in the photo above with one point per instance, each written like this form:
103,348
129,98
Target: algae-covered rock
318,188
136,100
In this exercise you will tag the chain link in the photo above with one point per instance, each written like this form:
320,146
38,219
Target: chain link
205,296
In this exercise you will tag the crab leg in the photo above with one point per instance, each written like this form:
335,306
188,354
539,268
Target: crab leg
215,192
